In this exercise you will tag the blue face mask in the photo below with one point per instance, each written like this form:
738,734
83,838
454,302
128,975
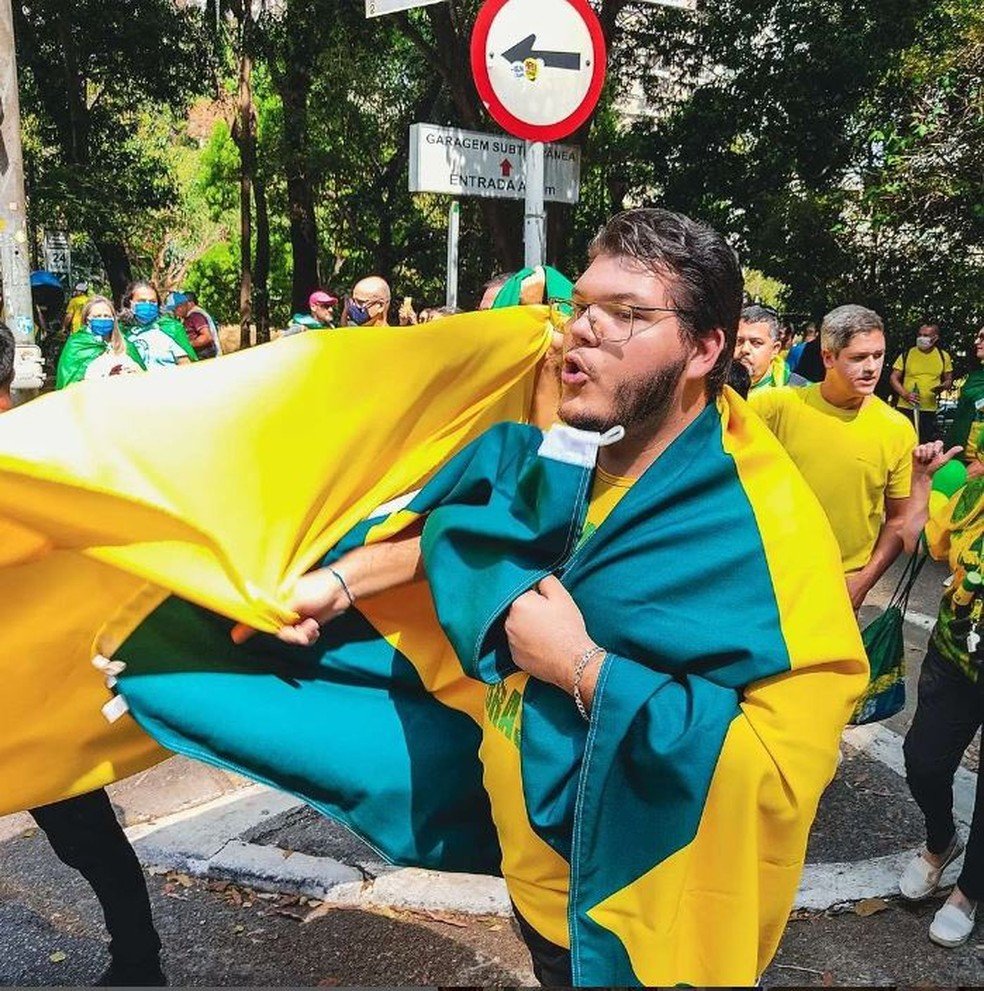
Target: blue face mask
101,326
357,314
146,311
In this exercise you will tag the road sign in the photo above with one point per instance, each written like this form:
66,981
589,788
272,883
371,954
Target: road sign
469,163
57,251
539,65
375,8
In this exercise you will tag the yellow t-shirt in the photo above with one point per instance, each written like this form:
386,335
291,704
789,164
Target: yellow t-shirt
74,311
924,369
537,876
851,459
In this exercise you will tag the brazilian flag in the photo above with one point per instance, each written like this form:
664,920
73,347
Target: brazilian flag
679,816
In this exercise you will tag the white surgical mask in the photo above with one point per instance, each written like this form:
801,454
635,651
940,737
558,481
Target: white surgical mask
924,343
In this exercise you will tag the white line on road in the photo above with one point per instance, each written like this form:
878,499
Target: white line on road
921,619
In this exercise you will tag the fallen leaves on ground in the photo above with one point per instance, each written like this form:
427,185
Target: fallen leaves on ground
870,906
58,956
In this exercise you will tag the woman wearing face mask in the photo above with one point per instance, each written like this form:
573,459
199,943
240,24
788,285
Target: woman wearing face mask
160,340
99,349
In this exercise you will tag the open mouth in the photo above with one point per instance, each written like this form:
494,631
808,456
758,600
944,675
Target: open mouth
573,373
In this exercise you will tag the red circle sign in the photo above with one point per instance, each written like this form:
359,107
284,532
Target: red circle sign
539,65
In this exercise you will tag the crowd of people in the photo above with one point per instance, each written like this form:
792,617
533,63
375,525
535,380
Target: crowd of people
150,332
644,346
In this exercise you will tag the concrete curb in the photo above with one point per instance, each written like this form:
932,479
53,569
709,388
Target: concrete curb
205,842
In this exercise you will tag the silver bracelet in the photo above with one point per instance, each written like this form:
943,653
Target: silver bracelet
345,588
582,663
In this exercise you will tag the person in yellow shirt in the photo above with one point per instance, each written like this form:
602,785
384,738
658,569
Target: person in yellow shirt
72,321
853,449
757,347
919,375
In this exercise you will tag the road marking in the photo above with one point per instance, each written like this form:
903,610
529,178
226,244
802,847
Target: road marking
921,619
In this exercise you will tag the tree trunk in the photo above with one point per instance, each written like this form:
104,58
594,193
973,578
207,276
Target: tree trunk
294,86
114,258
77,143
245,137
261,274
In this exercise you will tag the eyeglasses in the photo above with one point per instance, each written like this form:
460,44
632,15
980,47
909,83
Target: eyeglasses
614,323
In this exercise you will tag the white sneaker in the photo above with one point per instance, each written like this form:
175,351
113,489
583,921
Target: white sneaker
952,926
920,878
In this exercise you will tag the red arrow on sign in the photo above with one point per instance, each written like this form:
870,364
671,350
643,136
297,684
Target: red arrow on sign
506,167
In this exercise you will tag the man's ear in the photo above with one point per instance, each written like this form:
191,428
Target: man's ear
705,353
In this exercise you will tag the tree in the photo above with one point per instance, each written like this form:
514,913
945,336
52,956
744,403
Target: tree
88,74
818,136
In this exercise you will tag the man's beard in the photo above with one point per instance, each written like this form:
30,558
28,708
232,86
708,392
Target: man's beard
637,404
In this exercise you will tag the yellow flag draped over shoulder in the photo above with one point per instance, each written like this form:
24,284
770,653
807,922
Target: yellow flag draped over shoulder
219,482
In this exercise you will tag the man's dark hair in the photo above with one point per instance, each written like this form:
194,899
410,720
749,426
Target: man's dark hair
8,348
763,314
127,300
704,279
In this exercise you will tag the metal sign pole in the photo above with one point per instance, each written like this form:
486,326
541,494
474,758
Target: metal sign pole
454,230
535,230
15,264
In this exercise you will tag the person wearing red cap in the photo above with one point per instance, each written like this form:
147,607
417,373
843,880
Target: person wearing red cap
322,315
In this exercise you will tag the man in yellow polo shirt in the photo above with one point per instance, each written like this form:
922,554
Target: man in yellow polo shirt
919,375
852,448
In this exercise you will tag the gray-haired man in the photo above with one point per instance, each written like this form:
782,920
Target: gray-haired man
852,448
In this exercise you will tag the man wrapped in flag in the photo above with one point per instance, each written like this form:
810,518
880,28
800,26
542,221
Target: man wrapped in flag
606,660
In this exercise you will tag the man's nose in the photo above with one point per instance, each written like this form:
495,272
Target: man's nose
579,329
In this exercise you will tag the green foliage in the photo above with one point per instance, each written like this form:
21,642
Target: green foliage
762,289
837,145
99,82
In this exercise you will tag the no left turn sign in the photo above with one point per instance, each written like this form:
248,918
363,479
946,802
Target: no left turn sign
539,65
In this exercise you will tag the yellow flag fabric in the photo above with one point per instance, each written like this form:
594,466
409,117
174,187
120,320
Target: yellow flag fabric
218,482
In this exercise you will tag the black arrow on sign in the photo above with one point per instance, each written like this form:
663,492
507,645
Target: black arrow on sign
552,60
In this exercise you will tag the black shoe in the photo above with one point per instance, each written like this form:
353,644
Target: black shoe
149,974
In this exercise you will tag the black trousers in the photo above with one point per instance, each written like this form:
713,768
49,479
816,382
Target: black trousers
86,835
948,714
928,427
551,963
